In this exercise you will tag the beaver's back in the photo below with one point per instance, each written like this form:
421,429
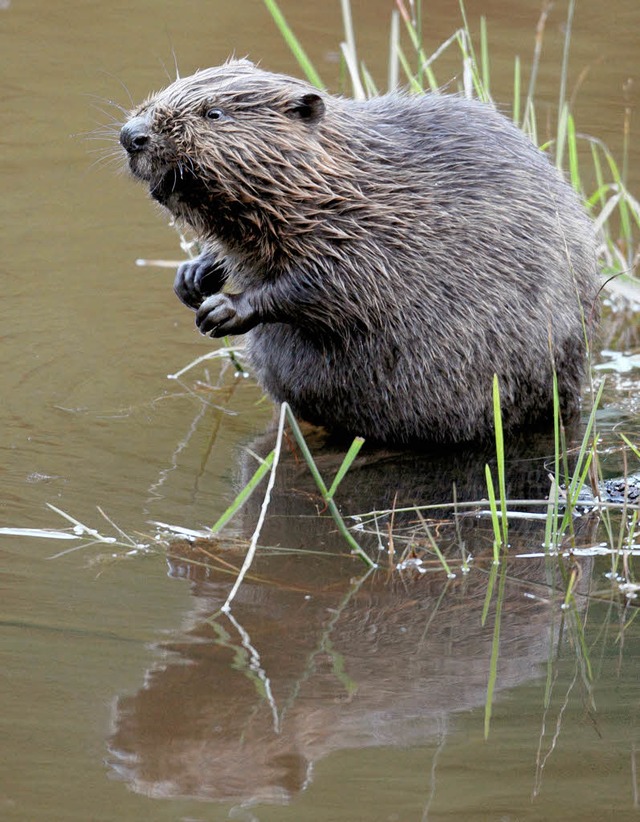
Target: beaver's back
478,259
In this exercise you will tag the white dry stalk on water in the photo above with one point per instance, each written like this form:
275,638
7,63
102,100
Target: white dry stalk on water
263,513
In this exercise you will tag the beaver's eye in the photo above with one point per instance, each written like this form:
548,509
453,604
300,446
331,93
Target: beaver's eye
214,114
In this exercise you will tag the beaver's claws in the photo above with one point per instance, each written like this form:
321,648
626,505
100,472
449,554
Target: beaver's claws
197,279
224,314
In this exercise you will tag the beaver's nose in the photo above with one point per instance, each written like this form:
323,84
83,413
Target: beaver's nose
134,135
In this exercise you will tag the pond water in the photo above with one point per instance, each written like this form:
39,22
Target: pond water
327,693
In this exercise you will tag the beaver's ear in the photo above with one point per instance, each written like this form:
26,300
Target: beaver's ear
309,107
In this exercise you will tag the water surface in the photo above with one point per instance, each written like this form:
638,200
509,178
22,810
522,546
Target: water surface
330,695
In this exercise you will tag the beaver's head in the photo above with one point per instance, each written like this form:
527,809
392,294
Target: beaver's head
228,144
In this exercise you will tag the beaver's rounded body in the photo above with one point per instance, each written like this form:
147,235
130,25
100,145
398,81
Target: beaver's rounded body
384,258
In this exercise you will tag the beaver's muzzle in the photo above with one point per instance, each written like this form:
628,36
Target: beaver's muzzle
134,135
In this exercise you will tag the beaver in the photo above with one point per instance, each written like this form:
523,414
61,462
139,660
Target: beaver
384,258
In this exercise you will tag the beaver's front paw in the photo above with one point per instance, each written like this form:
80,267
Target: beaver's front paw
197,279
224,314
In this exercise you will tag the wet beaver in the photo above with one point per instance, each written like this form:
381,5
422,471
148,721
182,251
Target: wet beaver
384,258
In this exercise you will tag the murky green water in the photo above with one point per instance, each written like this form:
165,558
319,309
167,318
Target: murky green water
329,696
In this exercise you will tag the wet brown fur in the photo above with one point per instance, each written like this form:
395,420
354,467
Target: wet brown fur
384,258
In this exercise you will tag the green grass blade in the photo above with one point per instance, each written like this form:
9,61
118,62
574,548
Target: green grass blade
597,168
308,458
489,593
575,485
333,509
564,72
581,647
561,137
294,44
625,224
585,455
554,496
517,91
484,56
495,652
414,84
573,154
424,62
351,454
634,448
243,496
495,519
499,434
370,87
